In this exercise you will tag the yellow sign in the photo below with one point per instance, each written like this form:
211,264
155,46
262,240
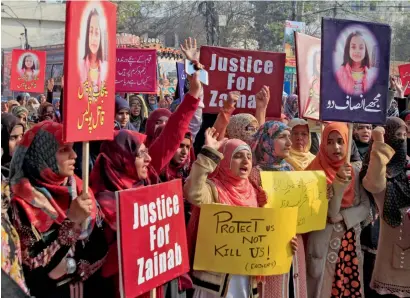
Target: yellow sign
244,240
303,189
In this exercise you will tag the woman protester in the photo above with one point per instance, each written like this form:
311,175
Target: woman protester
11,134
299,155
47,112
122,114
384,177
361,135
139,113
22,115
334,262
270,147
59,224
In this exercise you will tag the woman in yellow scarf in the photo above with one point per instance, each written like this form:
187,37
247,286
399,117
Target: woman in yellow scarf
300,157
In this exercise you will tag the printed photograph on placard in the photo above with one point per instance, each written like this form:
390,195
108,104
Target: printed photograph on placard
308,72
355,62
28,66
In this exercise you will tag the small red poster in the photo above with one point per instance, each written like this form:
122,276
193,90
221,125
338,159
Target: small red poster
151,235
28,71
404,71
244,71
136,70
89,74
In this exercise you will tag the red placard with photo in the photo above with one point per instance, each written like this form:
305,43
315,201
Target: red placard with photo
28,71
151,237
89,74
136,70
244,71
404,71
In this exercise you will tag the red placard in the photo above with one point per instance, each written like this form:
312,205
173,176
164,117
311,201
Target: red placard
28,71
244,71
151,237
89,74
404,71
136,70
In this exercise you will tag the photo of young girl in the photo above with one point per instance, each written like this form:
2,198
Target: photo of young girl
93,49
28,66
312,104
356,72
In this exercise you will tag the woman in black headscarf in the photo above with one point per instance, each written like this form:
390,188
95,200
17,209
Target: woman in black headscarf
11,133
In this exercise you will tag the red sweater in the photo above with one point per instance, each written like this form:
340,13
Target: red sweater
164,147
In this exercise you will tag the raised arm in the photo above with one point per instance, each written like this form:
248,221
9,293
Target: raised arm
196,189
342,180
224,115
262,102
375,179
164,147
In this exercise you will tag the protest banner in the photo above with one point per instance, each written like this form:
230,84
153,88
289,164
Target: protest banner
89,73
136,71
244,71
289,40
152,245
355,61
305,190
244,240
308,74
181,78
404,71
28,70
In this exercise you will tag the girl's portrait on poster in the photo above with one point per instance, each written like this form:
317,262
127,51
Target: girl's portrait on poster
93,46
355,60
28,66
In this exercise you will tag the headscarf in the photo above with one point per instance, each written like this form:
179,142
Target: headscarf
12,103
233,190
290,112
138,121
54,103
19,111
42,111
35,181
151,107
361,147
263,149
8,122
122,104
397,186
151,122
115,170
300,160
393,110
173,170
323,163
32,107
237,125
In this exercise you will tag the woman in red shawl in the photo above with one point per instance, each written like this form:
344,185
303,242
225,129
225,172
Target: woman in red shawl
334,265
60,227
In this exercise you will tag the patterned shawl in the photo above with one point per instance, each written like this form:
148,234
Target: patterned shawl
35,181
238,127
263,148
138,121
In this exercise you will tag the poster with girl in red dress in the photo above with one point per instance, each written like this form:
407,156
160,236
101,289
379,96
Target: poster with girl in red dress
28,71
89,70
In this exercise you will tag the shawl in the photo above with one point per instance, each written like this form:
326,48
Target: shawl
299,160
233,190
115,170
393,110
8,122
174,170
290,111
36,184
263,149
238,127
42,112
19,110
397,183
151,107
138,121
122,104
152,122
361,147
323,163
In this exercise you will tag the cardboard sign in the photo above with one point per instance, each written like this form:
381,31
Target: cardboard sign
244,71
305,190
151,237
308,72
355,71
136,70
245,241
89,74
181,78
290,28
404,71
28,70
